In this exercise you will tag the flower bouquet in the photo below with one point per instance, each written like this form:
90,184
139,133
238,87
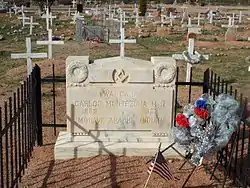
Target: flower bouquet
207,125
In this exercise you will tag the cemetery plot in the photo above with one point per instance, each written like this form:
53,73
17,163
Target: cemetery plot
149,39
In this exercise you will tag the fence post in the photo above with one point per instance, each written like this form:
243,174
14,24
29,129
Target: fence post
38,104
206,78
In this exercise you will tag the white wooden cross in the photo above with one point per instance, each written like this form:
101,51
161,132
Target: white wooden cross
31,23
189,24
163,21
184,14
48,16
22,9
199,19
23,18
69,12
10,12
122,42
49,42
230,23
73,3
122,20
240,17
29,56
211,16
171,18
51,19
15,9
233,19
136,17
189,56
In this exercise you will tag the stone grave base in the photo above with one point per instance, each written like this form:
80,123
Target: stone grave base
69,146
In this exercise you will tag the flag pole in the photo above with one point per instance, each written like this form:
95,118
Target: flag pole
159,149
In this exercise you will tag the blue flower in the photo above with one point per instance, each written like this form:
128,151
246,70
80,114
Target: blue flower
201,103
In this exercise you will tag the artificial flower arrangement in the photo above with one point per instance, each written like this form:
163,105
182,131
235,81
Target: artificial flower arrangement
207,125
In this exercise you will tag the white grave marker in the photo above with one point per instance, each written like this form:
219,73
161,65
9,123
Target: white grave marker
211,16
10,11
48,16
122,42
230,23
50,42
73,3
122,106
29,56
23,18
240,17
191,57
31,23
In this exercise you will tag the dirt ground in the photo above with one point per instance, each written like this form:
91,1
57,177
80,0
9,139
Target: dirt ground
110,171
106,171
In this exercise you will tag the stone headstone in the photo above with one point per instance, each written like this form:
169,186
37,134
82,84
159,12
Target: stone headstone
231,34
117,104
79,30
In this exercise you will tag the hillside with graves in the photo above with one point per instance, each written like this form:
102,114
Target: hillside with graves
102,95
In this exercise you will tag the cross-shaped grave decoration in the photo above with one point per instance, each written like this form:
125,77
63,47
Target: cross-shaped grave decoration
191,57
122,20
50,42
69,12
31,23
23,18
198,18
163,20
22,9
122,42
171,18
189,24
229,26
184,13
29,56
15,8
49,18
210,16
230,23
73,3
233,18
240,17
136,17
10,11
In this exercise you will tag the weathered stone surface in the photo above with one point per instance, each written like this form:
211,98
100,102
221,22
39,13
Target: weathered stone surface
118,99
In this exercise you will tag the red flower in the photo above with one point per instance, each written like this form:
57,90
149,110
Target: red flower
201,113
182,121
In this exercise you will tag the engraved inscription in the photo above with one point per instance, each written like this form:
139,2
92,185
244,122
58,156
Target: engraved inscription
125,101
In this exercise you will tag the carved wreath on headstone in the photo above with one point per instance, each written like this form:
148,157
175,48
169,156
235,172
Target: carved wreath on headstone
77,72
164,73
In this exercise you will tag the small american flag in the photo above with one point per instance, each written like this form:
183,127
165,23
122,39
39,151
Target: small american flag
160,166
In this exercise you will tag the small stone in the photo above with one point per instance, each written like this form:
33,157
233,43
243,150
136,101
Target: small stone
1,37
